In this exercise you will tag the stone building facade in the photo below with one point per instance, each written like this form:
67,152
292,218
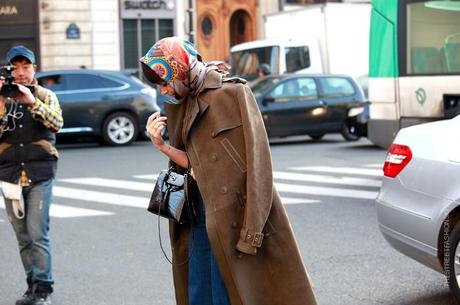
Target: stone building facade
113,34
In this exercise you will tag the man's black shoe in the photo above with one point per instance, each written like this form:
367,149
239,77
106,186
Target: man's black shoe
27,299
42,298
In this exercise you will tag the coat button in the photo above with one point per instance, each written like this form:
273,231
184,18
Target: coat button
234,224
214,157
224,190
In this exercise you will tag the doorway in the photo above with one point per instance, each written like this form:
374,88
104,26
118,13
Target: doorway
241,28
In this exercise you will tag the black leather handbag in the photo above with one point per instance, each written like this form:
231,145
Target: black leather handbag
171,197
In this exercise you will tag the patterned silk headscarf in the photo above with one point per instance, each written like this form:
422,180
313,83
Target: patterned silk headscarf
176,61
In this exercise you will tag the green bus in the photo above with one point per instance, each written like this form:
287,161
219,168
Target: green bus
414,65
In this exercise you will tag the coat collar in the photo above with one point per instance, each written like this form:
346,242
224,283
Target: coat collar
196,106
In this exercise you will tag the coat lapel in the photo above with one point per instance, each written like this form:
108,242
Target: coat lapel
196,106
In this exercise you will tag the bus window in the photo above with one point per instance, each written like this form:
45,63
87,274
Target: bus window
433,40
297,58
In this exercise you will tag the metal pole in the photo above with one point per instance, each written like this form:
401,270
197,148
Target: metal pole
190,10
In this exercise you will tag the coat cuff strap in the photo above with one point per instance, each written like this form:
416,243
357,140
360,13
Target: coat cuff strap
249,241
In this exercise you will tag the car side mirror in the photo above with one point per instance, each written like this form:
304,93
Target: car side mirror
268,100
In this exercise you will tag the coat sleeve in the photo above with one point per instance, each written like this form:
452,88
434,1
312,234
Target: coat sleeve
259,180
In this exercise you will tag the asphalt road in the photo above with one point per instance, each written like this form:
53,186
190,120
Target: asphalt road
105,244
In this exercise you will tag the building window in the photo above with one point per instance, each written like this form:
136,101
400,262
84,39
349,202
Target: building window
139,35
130,44
206,26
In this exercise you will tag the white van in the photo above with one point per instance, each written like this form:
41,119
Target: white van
283,56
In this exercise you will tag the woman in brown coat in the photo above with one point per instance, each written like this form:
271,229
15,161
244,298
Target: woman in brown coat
216,126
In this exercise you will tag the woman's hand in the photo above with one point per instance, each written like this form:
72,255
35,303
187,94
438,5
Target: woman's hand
155,126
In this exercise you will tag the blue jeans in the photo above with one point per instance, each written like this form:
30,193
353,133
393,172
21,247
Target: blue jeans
32,232
206,286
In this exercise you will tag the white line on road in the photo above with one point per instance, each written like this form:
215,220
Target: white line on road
121,184
326,179
325,191
118,184
62,211
101,197
376,165
147,177
288,200
341,170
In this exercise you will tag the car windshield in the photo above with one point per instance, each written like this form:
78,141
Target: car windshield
259,87
245,63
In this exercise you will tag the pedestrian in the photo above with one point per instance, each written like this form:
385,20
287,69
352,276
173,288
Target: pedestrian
263,70
28,162
243,250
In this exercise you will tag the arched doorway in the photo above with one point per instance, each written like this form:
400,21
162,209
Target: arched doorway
241,27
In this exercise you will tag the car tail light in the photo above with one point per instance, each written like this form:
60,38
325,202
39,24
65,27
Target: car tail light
398,157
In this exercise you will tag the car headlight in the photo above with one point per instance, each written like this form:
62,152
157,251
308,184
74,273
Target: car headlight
355,111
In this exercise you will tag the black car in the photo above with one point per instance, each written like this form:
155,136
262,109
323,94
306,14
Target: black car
357,119
300,104
110,105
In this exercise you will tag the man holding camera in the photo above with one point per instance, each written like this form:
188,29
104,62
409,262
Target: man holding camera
30,116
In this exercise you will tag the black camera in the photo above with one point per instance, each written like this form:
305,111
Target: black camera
9,88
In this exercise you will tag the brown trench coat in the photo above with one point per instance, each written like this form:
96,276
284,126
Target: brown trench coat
224,136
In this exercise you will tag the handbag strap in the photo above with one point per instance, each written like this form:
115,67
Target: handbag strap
165,196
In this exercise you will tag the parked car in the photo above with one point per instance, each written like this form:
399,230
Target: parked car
418,206
303,104
110,105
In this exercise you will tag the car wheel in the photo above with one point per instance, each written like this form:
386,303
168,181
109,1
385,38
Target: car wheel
453,269
119,128
349,133
316,137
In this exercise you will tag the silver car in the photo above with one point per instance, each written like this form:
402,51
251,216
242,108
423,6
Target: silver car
418,207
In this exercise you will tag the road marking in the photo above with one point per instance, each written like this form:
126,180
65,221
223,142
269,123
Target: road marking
326,179
376,165
138,186
288,200
62,211
118,184
325,191
341,170
101,197
147,177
